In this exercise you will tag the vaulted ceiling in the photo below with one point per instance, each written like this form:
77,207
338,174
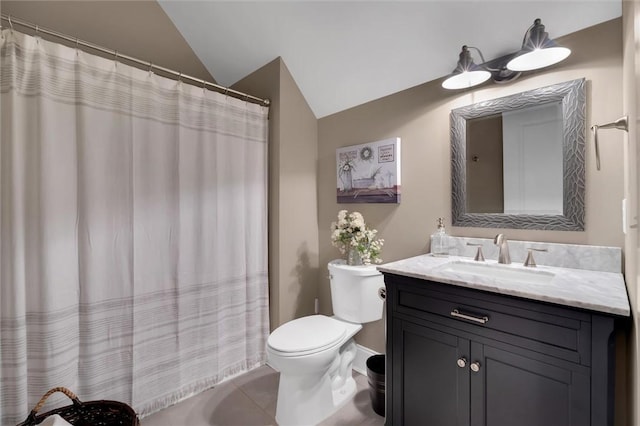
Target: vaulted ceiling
345,53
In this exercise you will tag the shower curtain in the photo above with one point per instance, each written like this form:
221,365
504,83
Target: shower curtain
133,244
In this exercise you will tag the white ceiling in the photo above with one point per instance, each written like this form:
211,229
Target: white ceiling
345,53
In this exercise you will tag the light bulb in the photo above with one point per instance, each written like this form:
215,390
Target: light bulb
466,79
538,58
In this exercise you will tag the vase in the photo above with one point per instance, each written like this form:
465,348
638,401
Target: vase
353,257
347,181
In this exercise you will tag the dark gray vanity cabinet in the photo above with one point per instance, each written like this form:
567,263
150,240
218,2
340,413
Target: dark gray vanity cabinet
463,357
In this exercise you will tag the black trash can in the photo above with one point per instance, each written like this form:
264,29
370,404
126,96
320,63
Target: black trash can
375,374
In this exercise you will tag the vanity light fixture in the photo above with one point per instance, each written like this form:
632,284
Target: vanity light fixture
537,51
467,73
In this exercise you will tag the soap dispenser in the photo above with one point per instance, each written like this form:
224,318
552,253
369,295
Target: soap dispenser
440,240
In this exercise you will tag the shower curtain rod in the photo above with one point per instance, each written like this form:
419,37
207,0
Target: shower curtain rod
148,65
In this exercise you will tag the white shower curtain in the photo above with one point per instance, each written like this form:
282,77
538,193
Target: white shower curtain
133,242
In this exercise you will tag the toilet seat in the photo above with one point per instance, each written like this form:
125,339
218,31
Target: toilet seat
306,335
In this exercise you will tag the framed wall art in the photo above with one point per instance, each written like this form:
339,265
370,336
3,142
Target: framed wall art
369,173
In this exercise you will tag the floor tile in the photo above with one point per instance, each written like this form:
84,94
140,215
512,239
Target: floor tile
236,408
373,421
251,399
354,412
261,385
156,419
271,408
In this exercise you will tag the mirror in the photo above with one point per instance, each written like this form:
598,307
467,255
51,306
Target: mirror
518,161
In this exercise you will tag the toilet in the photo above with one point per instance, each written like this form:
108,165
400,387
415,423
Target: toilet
314,354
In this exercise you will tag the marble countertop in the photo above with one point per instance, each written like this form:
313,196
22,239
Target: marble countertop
593,290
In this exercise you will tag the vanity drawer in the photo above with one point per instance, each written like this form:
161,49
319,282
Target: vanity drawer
562,332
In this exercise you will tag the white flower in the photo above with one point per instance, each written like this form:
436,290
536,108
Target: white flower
351,232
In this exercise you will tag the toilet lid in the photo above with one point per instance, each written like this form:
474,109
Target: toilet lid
306,333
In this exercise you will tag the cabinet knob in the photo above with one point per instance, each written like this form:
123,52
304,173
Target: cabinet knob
462,362
475,366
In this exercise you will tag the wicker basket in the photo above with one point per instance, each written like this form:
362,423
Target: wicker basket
92,413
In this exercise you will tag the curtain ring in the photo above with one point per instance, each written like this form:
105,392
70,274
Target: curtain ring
180,78
150,68
10,24
115,58
77,46
37,35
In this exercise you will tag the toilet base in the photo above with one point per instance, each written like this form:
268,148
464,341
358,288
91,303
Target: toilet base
343,395
308,399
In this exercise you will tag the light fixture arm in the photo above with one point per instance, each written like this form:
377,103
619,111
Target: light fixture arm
536,37
527,34
500,74
477,50
465,61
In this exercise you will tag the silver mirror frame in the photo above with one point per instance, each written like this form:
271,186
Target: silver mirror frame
573,97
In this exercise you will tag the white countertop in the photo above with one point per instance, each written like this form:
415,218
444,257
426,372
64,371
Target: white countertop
592,290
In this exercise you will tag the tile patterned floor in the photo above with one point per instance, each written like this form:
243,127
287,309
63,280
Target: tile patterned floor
250,400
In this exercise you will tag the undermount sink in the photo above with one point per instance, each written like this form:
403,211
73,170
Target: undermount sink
497,271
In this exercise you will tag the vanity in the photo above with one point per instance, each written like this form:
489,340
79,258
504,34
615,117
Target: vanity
481,344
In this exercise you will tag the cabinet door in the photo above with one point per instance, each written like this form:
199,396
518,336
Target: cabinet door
510,389
433,389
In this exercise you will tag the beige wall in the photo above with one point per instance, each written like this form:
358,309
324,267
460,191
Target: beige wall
136,28
265,83
293,217
420,116
631,99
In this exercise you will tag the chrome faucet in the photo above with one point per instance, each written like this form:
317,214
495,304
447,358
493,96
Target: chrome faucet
503,255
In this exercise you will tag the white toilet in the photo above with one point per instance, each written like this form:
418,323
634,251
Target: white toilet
314,354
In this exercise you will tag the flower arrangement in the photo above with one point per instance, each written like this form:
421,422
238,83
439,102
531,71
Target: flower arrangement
346,166
353,238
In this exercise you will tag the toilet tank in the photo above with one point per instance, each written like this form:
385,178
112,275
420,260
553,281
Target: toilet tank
354,292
